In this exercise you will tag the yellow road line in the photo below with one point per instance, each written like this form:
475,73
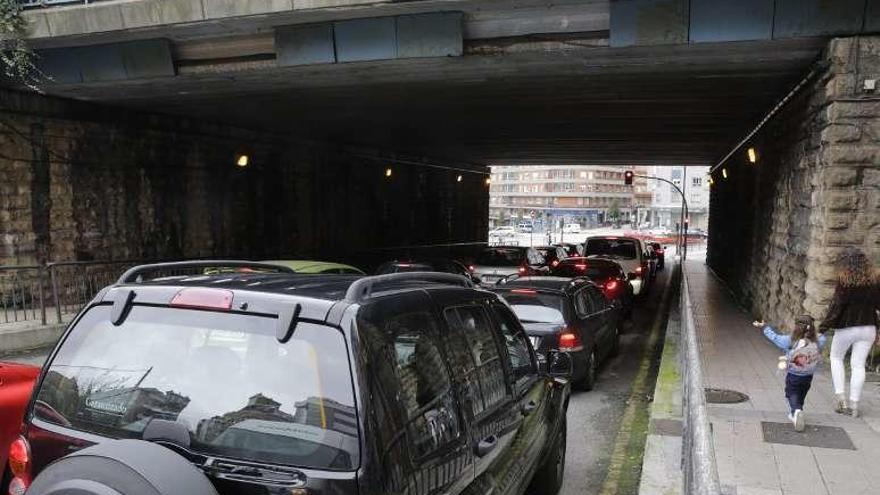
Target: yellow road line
624,433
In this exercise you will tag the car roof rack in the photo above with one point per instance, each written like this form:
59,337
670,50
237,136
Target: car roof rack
362,288
135,274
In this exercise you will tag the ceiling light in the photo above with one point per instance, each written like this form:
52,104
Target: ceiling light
753,155
242,160
458,179
724,172
388,172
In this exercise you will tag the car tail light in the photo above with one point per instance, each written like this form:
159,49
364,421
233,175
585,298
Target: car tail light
581,266
203,298
570,341
20,465
404,265
471,268
611,286
522,269
555,263
638,270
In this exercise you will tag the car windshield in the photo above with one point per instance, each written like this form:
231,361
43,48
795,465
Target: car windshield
501,257
615,248
536,307
222,377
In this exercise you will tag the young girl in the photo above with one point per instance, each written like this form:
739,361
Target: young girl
803,356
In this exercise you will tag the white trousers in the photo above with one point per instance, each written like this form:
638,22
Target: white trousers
860,339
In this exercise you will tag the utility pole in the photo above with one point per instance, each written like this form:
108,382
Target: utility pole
682,227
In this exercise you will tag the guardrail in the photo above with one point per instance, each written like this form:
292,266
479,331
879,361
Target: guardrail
697,454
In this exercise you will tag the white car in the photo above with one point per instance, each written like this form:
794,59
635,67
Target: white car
629,252
503,231
571,228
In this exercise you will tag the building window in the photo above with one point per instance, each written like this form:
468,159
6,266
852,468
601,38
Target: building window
698,181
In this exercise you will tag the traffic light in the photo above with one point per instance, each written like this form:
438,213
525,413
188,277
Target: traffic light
628,177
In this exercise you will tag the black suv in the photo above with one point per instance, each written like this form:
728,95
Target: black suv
409,383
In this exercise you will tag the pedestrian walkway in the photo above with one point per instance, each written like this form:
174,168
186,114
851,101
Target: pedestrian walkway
756,448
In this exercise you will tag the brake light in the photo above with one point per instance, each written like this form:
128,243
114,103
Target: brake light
555,263
570,341
611,286
522,269
581,266
404,265
203,298
20,465
471,268
524,291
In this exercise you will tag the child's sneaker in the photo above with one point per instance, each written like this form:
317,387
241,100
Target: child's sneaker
798,420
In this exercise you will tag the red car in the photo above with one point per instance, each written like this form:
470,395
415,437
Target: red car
16,383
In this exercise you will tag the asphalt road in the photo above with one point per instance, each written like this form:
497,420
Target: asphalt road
595,417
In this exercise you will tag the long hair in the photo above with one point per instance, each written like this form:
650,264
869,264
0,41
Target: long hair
854,269
804,328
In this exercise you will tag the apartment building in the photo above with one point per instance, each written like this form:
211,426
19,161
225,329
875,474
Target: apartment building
554,195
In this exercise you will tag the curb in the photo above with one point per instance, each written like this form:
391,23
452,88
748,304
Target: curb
661,467
29,338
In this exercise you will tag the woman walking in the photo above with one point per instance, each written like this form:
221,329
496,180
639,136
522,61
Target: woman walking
853,316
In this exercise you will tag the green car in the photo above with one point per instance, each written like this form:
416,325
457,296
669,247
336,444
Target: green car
310,266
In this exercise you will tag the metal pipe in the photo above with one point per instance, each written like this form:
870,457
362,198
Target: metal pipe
815,70
698,454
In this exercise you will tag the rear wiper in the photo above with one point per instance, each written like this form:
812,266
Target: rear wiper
227,469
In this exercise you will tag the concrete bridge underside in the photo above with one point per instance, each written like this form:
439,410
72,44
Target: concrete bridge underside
137,159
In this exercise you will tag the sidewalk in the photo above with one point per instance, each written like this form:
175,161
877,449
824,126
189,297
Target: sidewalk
756,448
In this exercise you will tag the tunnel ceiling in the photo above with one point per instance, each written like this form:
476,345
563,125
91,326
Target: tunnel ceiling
551,103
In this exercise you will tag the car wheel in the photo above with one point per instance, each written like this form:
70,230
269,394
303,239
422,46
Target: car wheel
589,380
548,479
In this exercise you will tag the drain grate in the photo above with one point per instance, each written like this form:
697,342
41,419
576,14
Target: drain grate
826,437
724,396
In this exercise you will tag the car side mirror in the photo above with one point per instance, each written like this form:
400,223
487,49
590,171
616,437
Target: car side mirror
560,365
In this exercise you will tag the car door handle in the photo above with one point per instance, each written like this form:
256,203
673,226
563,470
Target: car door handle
486,445
529,407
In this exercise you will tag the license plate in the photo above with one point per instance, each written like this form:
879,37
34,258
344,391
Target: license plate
536,341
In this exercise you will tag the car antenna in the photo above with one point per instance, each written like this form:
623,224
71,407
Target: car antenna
287,320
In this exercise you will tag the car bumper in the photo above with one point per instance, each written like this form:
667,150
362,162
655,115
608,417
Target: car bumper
637,285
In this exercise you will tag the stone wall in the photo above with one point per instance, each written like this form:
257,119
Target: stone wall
777,226
85,182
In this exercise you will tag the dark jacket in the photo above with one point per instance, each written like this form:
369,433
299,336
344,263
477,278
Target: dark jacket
853,306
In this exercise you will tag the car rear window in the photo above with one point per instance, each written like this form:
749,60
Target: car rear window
536,307
501,257
223,377
587,268
615,248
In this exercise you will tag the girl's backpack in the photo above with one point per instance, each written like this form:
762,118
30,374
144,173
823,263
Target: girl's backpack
804,357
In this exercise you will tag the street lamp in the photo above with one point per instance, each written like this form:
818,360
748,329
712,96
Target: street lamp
683,225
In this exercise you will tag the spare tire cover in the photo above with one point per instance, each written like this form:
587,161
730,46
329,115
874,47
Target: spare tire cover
122,467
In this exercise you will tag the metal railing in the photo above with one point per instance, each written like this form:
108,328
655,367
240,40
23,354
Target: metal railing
75,283
33,4
31,293
698,454
22,294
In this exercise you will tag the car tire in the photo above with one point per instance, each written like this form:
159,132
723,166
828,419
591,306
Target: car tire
615,345
548,479
588,382
130,467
